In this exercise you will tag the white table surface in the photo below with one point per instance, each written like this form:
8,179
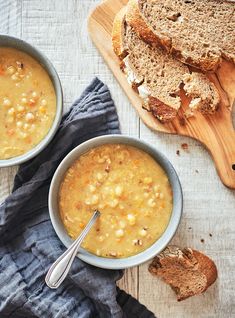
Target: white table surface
59,29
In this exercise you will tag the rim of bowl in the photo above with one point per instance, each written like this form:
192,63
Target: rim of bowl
156,247
13,42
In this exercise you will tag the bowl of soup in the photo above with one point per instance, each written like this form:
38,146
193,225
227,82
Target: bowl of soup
31,101
136,190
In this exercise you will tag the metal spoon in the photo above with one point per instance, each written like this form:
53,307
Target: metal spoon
60,268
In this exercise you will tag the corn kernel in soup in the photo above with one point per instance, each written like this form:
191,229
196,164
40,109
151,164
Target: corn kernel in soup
25,118
131,191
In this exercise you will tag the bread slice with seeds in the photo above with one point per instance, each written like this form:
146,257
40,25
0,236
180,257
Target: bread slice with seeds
197,32
188,272
158,77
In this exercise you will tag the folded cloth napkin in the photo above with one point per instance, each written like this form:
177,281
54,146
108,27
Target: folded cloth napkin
29,245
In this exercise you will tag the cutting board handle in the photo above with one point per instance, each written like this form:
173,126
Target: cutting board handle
222,139
221,144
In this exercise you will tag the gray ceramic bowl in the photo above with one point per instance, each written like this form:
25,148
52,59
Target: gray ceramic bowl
159,245
9,41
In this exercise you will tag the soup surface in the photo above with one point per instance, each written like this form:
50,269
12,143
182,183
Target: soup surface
131,191
27,103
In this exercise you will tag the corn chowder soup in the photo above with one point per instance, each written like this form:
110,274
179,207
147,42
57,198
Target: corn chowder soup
27,103
131,191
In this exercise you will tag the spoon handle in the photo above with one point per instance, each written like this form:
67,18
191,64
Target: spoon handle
60,268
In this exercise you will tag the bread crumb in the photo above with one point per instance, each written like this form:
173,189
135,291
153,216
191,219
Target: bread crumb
189,113
178,152
202,240
184,146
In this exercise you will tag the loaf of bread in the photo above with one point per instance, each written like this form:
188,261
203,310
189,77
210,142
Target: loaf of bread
158,77
188,272
196,32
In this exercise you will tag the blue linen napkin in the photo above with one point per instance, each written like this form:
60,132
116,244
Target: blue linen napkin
29,245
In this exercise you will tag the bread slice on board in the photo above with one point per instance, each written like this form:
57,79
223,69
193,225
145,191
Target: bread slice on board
188,272
197,32
158,77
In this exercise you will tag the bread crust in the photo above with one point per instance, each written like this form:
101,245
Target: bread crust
159,109
133,17
186,259
136,20
202,64
117,32
207,267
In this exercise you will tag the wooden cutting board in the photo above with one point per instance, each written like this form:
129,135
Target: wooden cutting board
216,131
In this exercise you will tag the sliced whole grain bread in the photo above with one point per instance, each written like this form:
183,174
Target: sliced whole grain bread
197,32
158,77
135,20
188,272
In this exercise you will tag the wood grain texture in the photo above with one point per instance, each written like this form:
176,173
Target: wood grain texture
59,29
216,132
